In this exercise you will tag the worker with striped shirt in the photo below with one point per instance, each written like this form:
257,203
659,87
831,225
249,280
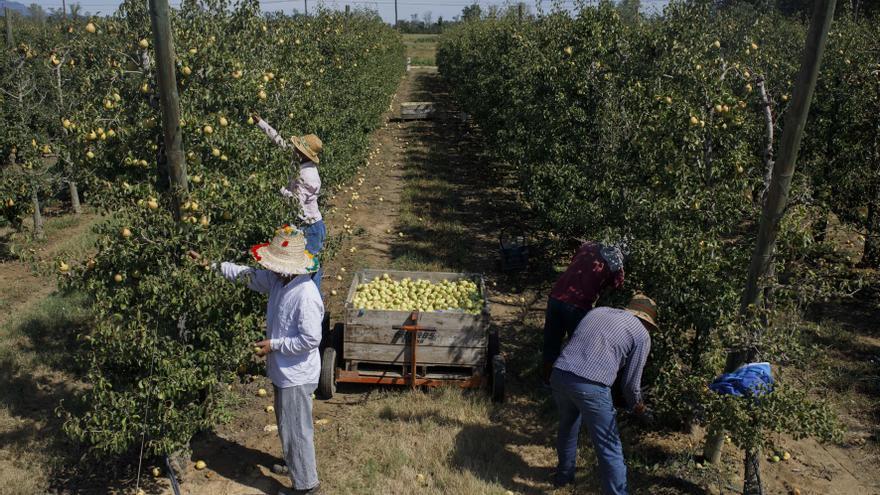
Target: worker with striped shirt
607,341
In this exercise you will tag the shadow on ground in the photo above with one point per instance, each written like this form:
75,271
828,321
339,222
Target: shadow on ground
226,459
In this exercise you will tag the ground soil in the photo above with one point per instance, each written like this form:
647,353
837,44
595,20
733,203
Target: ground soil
430,199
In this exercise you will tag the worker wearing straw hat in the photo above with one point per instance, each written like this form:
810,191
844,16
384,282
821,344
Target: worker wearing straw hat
607,341
293,332
304,183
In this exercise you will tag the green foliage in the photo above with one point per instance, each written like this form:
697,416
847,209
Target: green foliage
653,132
842,149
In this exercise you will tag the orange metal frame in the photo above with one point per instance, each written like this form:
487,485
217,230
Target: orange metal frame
412,379
345,376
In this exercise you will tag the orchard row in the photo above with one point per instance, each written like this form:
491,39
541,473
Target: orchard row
167,337
661,132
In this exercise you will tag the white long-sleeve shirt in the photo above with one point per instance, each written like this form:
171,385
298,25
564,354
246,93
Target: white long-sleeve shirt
306,185
293,323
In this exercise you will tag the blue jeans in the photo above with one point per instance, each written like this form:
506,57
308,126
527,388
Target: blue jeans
315,235
580,400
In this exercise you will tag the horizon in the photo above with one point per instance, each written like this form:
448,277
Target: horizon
448,10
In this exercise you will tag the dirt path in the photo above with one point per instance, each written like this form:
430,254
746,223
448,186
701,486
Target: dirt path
20,284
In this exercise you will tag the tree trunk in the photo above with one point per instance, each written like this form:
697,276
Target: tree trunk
752,476
871,255
74,197
713,445
38,217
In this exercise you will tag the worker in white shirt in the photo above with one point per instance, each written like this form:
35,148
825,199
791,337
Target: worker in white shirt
293,332
304,184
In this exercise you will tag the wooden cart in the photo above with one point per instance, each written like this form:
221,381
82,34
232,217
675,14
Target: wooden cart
417,110
410,347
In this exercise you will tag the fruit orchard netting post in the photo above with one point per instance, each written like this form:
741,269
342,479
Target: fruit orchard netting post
777,196
170,101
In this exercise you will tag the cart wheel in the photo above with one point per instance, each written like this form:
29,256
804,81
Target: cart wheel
499,372
332,337
327,380
325,332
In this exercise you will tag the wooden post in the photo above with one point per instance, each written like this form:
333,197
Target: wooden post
783,169
169,101
306,3
64,9
774,207
348,10
7,15
395,14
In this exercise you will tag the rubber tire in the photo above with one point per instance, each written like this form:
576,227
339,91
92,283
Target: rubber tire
338,341
326,337
499,373
327,380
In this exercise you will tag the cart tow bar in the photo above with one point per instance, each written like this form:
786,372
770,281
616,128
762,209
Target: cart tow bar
413,331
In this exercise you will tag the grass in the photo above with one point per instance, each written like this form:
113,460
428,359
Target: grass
36,374
67,237
421,48
436,442
37,348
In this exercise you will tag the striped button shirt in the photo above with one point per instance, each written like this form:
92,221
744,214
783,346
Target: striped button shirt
293,323
606,341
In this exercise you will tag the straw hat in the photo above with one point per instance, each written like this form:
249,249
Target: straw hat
309,145
643,308
286,254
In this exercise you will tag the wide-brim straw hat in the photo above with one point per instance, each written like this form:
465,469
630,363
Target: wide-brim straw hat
309,145
643,308
286,254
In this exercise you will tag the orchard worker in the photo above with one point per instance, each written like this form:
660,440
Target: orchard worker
595,268
304,183
606,341
293,333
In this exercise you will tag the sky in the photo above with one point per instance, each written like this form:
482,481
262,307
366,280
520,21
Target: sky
405,8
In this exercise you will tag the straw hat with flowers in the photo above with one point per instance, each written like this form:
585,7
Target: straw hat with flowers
286,254
309,145
643,308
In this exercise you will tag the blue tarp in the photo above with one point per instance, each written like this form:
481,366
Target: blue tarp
750,380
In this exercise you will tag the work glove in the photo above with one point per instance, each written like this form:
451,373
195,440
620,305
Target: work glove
284,192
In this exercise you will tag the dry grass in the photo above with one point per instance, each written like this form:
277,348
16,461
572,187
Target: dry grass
436,442
35,375
421,48
37,338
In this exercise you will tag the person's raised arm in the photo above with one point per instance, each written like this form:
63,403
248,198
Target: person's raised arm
271,132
